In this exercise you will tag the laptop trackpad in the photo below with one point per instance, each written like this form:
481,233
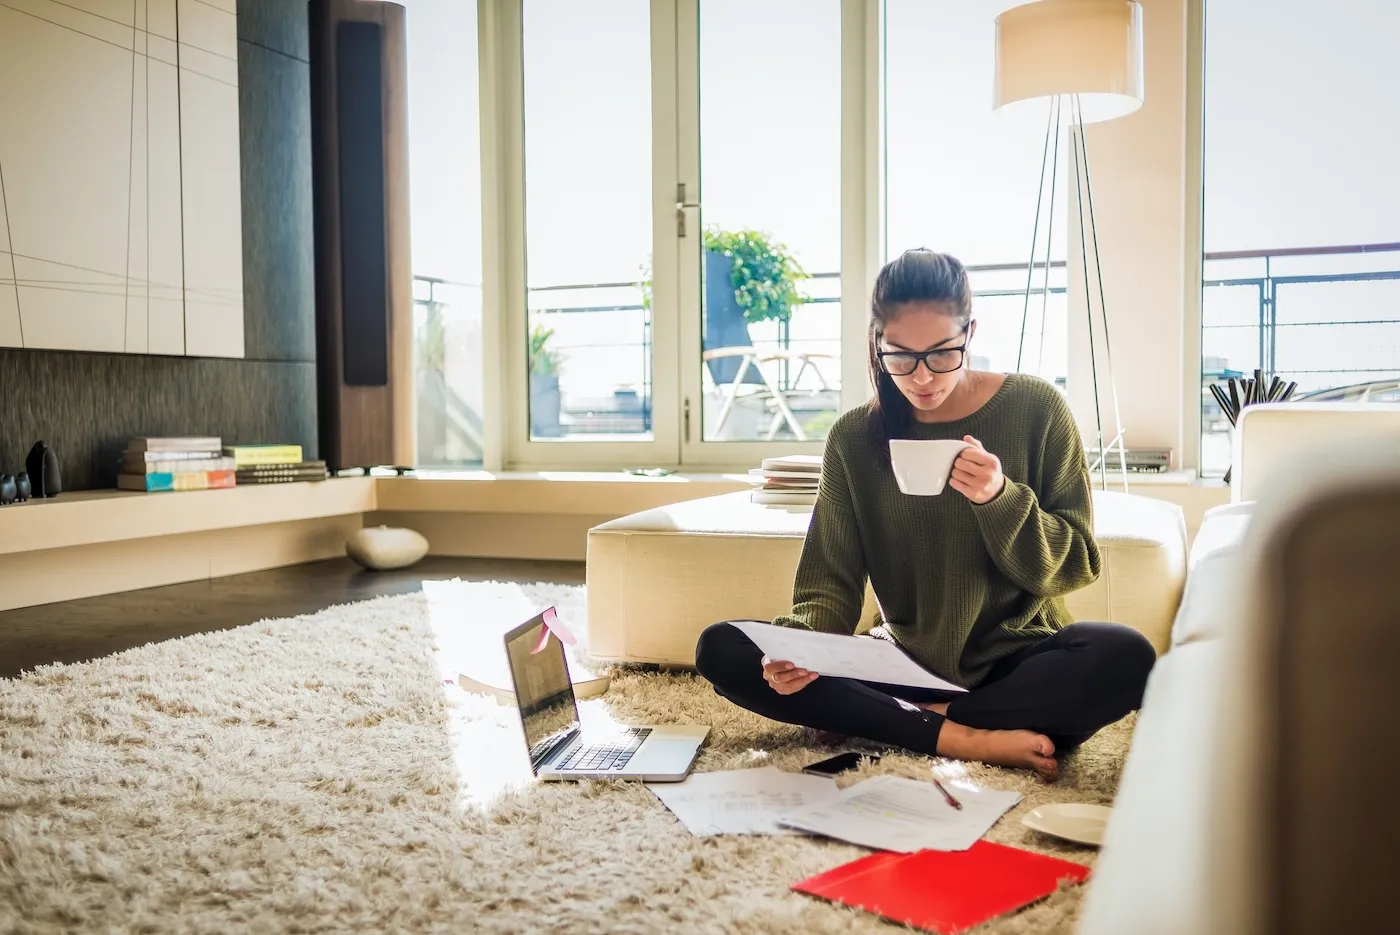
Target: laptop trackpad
675,754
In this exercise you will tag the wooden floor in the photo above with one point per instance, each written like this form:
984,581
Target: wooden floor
75,631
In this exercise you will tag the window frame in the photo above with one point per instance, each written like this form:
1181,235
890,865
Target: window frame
1193,266
675,322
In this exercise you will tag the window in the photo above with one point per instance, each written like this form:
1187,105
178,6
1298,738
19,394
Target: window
445,206
770,181
588,218
1301,265
962,178
673,247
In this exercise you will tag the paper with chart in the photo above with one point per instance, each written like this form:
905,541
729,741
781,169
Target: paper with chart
852,657
744,801
891,813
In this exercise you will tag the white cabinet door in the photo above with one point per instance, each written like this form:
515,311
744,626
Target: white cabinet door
120,204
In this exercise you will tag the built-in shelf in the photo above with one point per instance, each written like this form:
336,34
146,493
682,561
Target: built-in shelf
560,493
88,517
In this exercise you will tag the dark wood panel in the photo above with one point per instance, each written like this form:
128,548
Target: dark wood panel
86,405
359,118
360,425
279,25
75,631
279,296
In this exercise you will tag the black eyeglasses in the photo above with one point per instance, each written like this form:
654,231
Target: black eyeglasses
941,360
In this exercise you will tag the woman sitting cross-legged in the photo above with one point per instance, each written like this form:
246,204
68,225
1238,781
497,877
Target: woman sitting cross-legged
970,582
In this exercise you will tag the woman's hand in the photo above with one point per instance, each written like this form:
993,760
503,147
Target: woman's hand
977,473
785,678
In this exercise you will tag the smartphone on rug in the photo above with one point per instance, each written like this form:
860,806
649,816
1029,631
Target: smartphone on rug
839,764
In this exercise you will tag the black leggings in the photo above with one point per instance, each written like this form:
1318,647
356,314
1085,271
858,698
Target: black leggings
1066,686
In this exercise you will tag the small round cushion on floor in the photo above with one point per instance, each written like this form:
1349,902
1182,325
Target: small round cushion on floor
385,547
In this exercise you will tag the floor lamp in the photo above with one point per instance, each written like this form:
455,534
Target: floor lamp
1082,60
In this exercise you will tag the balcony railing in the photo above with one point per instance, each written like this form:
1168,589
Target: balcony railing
1277,297
617,399
1327,317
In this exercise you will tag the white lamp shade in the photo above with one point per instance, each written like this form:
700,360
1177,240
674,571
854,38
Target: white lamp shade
1089,48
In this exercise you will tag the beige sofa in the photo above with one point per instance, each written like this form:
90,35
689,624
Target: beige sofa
1258,797
656,579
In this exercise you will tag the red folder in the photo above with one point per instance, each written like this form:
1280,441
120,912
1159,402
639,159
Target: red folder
945,891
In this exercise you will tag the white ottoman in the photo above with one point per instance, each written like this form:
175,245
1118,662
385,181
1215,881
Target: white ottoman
656,579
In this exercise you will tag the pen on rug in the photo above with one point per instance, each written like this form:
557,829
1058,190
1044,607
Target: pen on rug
947,795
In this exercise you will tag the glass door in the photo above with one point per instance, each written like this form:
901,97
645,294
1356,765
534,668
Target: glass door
591,383
758,223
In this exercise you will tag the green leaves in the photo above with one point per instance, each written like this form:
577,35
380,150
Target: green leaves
764,275
544,359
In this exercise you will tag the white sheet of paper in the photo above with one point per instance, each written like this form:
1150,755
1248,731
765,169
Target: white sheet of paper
892,813
853,657
744,801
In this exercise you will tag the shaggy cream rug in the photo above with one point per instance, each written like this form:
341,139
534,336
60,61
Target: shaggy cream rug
316,774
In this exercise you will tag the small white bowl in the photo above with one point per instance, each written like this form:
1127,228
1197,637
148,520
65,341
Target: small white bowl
1083,824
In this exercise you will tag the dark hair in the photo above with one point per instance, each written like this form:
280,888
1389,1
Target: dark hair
920,275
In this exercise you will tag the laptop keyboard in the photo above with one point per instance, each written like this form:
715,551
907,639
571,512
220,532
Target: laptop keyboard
602,757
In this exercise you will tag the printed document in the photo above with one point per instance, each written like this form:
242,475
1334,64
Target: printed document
891,813
743,801
852,657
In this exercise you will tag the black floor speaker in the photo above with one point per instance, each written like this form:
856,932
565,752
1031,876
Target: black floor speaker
364,277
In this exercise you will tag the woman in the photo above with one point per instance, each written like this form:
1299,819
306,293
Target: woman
969,582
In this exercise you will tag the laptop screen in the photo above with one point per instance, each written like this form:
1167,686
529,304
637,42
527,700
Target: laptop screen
543,691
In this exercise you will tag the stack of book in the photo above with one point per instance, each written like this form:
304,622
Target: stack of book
792,480
153,463
273,464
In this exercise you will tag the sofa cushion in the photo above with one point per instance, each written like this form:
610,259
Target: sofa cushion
1142,542
1223,527
1208,606
1212,581
1271,440
1150,878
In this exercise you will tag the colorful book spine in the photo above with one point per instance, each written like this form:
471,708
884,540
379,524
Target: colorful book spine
182,466
280,478
155,457
261,473
179,480
174,443
264,454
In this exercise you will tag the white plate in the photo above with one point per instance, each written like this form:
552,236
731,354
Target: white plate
1083,824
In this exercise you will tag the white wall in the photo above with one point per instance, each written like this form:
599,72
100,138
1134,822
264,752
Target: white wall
1138,168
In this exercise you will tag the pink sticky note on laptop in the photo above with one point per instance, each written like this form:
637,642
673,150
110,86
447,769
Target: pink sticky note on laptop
552,624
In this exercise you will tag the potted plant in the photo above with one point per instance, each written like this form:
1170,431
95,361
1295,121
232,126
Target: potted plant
749,278
545,400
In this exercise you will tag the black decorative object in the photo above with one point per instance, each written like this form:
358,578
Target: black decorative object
42,464
23,488
1244,393
9,491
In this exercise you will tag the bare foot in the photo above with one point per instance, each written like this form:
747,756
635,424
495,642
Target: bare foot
1019,749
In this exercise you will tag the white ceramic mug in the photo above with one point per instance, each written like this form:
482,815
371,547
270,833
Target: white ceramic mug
922,466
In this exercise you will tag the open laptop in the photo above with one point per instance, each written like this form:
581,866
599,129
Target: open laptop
559,748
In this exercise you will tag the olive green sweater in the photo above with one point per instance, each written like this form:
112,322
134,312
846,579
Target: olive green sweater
959,585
